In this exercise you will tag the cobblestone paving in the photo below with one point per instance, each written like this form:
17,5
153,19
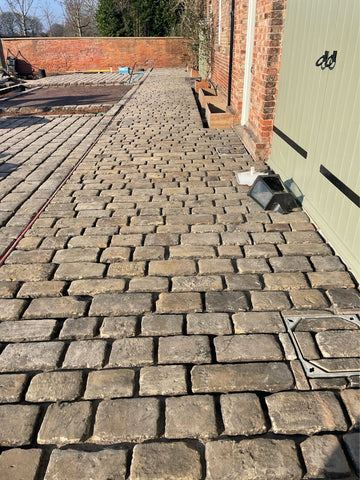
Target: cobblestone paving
141,320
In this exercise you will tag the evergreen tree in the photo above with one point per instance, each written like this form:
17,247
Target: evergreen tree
109,18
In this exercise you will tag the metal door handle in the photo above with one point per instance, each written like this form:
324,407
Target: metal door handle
326,60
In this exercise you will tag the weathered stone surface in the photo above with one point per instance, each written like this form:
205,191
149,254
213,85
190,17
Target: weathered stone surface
42,289
258,322
79,328
352,443
215,266
121,304
8,289
247,348
307,345
77,465
110,384
65,423
149,284
126,269
79,270
243,282
167,268
208,324
351,399
345,299
285,281
72,255
11,387
333,280
118,327
268,377
190,416
96,286
179,303
27,330
184,349
170,461
85,354
339,343
270,301
308,299
17,424
242,414
126,420
20,464
56,308
159,325
26,273
132,352
55,387
252,265
226,301
30,356
315,412
290,264
11,309
250,460
324,457
203,283
163,380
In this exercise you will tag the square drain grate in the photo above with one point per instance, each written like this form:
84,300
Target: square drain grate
326,345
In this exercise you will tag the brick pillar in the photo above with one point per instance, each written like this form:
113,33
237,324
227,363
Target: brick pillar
257,134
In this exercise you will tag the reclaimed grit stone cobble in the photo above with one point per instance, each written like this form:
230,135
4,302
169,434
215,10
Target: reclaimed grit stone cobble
141,317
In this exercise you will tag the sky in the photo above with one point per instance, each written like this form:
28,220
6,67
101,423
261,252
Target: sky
37,9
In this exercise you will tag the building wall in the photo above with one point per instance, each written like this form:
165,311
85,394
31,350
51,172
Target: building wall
58,55
270,17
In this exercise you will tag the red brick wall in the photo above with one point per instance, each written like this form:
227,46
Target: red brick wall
257,134
57,55
270,19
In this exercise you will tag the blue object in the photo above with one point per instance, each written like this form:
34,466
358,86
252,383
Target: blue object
124,70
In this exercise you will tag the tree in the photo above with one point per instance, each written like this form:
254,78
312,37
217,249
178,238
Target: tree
138,18
21,9
80,17
11,25
109,18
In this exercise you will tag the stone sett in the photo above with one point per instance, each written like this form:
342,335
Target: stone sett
17,424
65,423
110,384
85,354
324,457
249,460
242,414
184,349
119,327
20,464
30,356
78,465
175,461
55,387
163,380
190,417
132,352
161,325
12,387
315,412
126,420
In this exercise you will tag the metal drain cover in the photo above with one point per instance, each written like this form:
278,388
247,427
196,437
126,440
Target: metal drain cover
326,345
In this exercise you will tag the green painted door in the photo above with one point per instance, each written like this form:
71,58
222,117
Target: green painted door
316,146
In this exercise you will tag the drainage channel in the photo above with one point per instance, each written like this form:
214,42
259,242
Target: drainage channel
119,107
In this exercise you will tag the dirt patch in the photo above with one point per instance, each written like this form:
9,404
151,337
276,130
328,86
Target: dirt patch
49,97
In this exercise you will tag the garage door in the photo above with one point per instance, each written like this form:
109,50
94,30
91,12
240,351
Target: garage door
316,147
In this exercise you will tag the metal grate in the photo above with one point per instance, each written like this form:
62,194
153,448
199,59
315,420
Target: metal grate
326,366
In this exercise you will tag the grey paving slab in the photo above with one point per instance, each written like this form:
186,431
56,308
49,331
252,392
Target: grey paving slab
142,315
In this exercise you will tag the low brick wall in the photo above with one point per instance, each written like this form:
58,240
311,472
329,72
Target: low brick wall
59,55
